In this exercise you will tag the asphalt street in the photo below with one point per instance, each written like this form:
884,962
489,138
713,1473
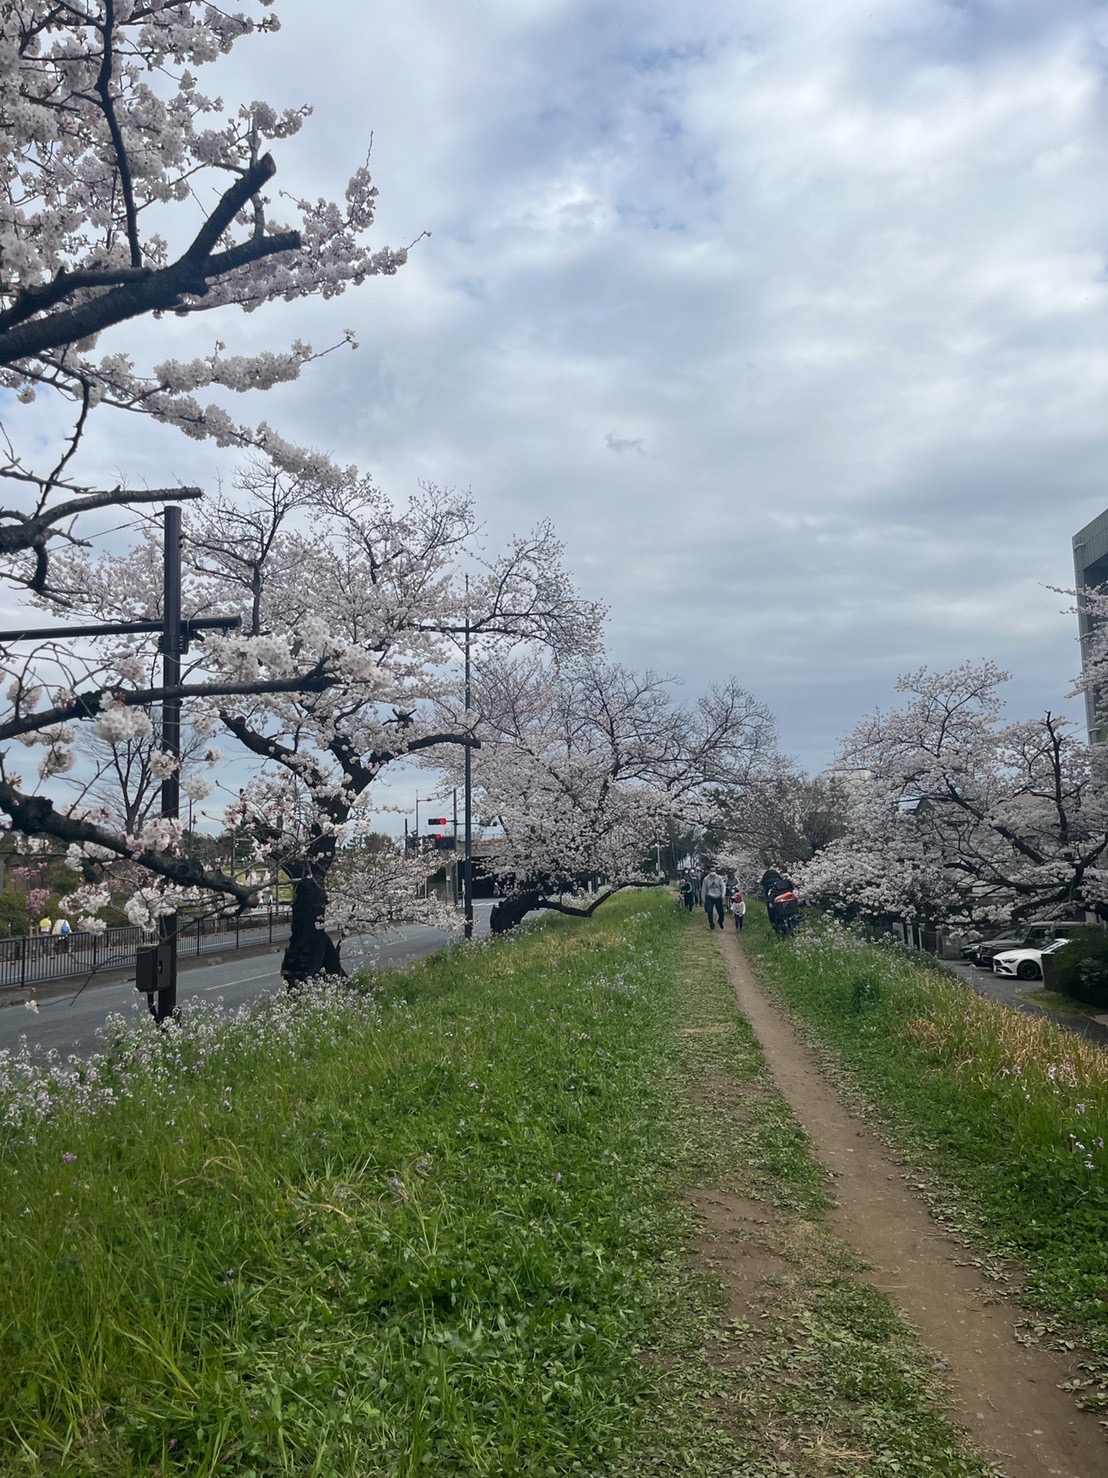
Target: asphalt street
67,1020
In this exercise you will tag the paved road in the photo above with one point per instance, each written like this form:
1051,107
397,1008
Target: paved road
68,1021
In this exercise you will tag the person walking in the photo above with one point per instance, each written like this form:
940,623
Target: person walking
712,894
738,908
687,889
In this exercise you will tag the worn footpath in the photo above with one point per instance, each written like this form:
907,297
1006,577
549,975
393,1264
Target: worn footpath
1004,1394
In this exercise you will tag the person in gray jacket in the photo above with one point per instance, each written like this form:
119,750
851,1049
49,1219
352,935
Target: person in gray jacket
712,892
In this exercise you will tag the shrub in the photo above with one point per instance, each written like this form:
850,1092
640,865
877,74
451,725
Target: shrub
1080,969
13,915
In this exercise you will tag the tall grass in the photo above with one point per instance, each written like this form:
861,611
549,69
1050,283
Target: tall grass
1009,1111
408,1228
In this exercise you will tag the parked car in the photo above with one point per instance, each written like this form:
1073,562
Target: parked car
968,951
1030,936
1026,964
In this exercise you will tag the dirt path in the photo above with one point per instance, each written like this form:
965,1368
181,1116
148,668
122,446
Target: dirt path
1006,1394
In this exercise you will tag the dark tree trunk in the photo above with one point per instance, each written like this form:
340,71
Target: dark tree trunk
311,951
512,910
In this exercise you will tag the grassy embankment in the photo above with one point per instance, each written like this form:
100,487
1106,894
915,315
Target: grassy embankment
1006,1114
440,1227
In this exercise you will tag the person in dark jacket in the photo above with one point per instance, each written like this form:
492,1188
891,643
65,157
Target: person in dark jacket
782,903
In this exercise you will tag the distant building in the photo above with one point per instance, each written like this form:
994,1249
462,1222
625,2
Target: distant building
1090,568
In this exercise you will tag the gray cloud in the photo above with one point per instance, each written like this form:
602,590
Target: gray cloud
619,444
839,263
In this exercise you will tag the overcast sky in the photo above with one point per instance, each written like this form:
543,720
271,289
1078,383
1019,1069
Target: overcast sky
791,314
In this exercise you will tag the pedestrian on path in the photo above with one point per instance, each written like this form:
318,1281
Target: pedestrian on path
712,893
738,908
687,889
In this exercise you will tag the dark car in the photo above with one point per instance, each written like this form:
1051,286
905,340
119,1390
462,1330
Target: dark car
968,952
1029,936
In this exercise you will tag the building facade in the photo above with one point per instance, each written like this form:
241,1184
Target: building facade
1090,569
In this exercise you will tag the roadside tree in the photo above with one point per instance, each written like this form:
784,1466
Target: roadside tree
353,614
958,817
781,819
127,193
583,767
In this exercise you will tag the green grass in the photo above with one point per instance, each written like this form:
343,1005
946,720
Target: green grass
442,1226
1007,1114
420,1236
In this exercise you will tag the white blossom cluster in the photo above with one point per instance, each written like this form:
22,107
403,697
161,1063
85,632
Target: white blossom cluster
958,817
118,722
140,1060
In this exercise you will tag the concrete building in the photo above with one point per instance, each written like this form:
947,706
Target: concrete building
1090,568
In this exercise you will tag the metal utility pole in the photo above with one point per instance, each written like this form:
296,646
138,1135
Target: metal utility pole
164,1002
155,965
467,882
455,845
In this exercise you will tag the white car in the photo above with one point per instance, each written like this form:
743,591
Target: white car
1025,964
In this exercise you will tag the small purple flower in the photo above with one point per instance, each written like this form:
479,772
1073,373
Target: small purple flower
67,1158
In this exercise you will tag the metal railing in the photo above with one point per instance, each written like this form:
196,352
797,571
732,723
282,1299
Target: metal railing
34,958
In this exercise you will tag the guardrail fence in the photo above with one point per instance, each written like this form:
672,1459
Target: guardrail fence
35,958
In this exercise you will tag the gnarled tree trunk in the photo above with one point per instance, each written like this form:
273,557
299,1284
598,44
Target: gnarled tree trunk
311,950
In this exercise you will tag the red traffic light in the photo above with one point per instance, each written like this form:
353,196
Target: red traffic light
437,821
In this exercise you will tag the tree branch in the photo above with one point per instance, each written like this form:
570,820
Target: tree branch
27,531
34,815
156,290
89,704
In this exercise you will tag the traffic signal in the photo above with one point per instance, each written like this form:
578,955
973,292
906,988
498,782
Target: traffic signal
439,841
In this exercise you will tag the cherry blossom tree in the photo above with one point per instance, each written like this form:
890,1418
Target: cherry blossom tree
128,192
781,819
353,614
582,767
959,817
58,686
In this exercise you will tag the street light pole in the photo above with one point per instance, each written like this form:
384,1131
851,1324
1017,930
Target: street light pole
155,963
455,846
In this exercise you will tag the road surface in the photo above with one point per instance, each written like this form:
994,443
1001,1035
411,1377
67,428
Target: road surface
68,1022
